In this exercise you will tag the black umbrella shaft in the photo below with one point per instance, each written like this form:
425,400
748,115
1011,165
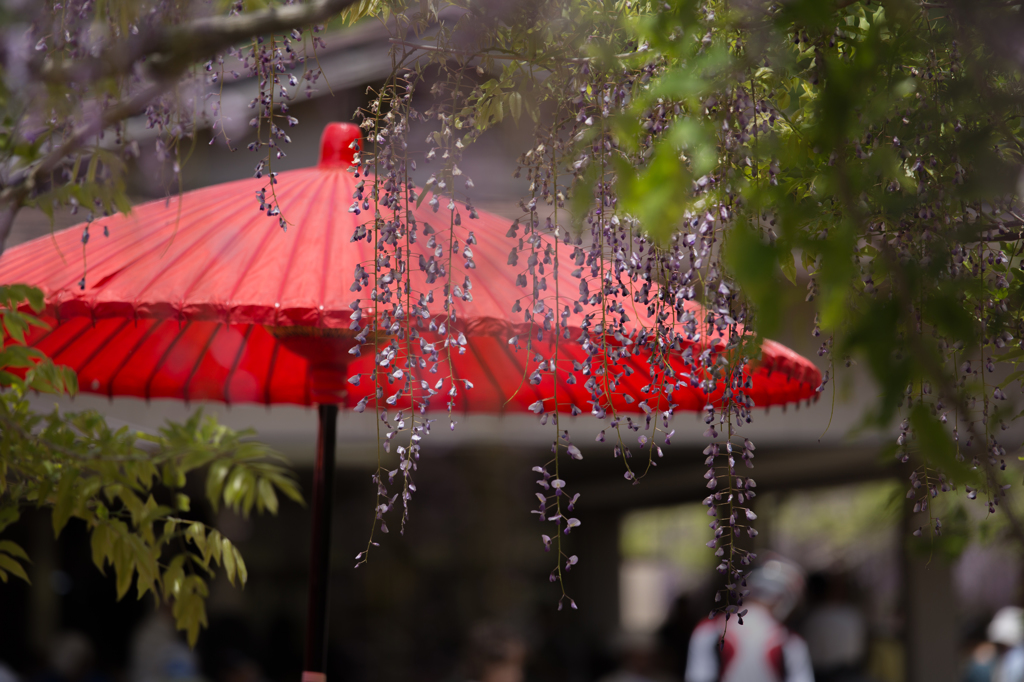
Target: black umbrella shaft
320,550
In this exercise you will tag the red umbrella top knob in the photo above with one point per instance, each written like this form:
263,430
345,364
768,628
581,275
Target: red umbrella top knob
336,145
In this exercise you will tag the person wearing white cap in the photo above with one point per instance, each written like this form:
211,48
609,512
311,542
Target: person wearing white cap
1007,632
762,649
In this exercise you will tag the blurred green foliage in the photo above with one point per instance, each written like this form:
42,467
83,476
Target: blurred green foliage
868,150
127,487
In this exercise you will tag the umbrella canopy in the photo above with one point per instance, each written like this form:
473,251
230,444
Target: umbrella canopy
201,297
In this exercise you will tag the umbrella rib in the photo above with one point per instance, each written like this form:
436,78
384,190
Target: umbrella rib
257,253
234,365
239,234
639,368
522,383
163,359
329,240
187,386
294,253
270,371
490,375
102,346
306,391
128,356
46,335
205,235
68,343
497,264
185,252
145,224
74,338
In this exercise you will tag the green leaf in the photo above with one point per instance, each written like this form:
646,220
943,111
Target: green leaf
196,533
583,196
228,559
515,105
214,544
102,542
66,500
1012,377
12,548
287,485
9,565
788,264
936,444
215,482
8,515
267,497
15,327
124,580
752,261
243,572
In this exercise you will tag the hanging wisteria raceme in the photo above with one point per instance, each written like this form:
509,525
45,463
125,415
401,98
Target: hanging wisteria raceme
412,322
685,158
618,268
621,269
546,311
271,62
391,315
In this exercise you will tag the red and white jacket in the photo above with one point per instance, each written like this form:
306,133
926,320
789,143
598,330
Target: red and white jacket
760,650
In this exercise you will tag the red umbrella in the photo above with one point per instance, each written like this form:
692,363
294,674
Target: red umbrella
193,298
200,297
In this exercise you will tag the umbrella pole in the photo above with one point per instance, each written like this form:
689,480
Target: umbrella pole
315,662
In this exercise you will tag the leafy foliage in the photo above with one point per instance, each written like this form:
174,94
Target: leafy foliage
78,467
687,151
871,150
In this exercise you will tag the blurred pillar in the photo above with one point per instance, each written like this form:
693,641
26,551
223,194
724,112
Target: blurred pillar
596,579
44,602
501,527
932,642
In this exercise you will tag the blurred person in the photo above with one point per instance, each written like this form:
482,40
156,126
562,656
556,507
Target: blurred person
835,630
566,649
762,649
978,654
282,650
674,634
637,657
71,658
158,653
494,653
1006,631
234,666
981,661
7,674
228,650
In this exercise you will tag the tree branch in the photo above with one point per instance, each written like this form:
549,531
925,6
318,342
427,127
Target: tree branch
169,50
172,48
21,185
502,55
7,214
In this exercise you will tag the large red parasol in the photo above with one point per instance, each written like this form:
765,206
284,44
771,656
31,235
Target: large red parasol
200,297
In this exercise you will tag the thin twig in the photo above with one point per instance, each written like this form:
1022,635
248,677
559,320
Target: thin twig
509,57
